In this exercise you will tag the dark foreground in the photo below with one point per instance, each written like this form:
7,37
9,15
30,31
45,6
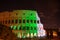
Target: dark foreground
6,34
40,39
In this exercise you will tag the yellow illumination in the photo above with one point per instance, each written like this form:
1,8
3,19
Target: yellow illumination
54,33
19,35
28,35
31,34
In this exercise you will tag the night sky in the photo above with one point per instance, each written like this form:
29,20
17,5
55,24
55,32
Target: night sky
48,10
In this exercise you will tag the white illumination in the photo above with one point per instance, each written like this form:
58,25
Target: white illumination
41,31
11,27
38,34
35,34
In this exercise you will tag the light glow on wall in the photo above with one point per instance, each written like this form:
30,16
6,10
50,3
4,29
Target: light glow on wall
55,33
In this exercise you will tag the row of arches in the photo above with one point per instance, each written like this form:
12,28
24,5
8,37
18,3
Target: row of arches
19,21
23,28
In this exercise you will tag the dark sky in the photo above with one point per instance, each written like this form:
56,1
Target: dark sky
48,10
29,4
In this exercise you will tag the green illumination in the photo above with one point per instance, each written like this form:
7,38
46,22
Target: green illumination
14,27
18,27
25,20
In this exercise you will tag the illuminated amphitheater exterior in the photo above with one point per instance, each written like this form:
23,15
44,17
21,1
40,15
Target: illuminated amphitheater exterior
24,23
